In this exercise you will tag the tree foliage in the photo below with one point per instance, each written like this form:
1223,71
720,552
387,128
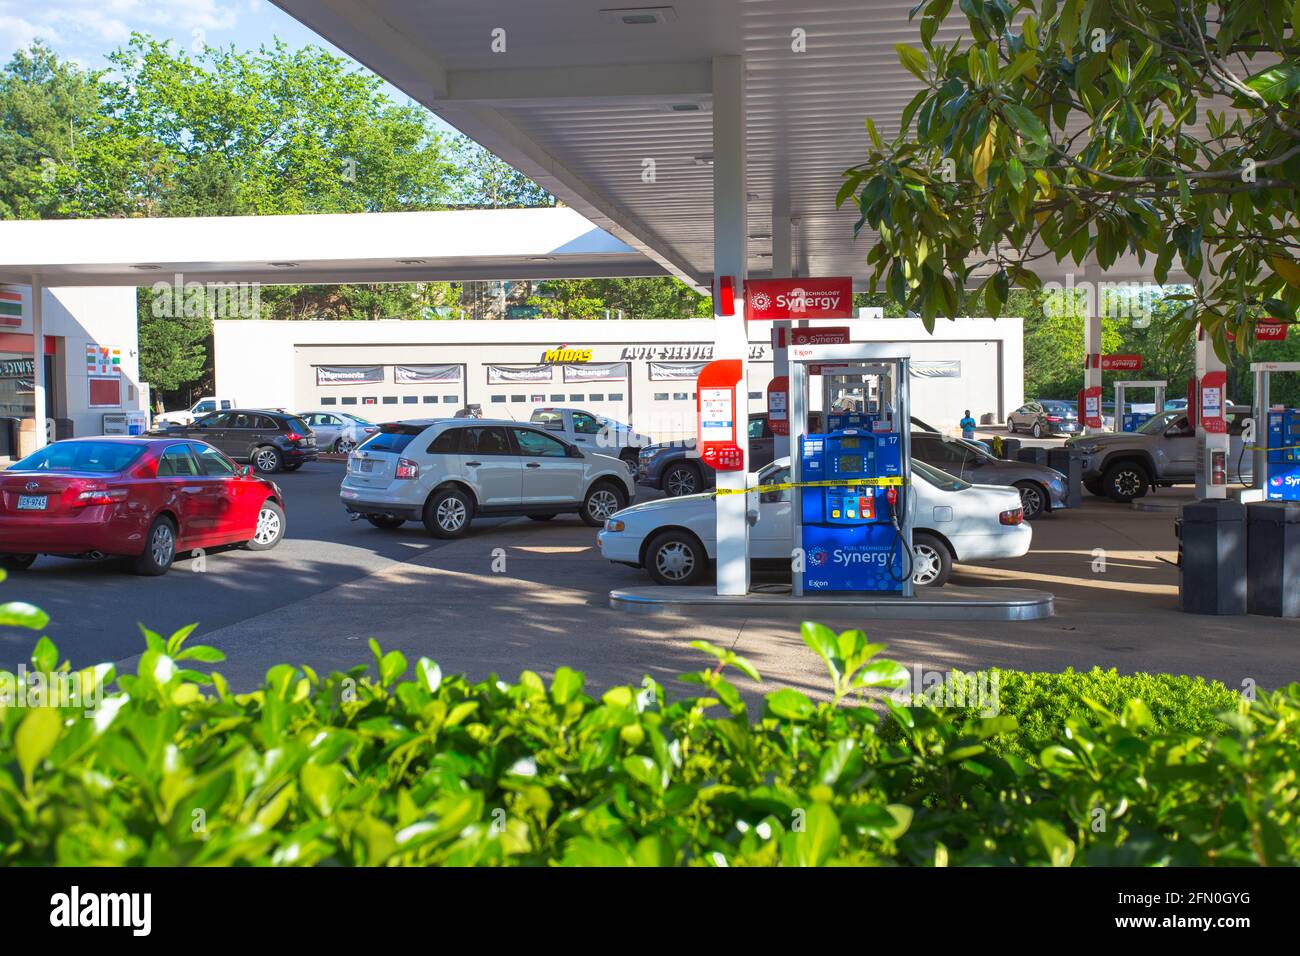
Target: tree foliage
1089,129
658,297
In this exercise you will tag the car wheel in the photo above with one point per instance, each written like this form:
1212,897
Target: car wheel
387,522
1094,486
1011,427
270,527
344,446
602,501
448,513
16,562
541,517
1033,499
159,548
1124,481
675,557
267,460
1037,430
931,561
683,479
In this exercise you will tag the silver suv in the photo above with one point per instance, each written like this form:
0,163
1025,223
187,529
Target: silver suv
445,472
1123,465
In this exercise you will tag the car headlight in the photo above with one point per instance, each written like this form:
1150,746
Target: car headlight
613,524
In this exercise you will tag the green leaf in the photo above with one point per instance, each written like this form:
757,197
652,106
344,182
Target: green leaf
913,60
789,704
1277,84
45,656
1025,123
428,674
36,737
820,838
1058,847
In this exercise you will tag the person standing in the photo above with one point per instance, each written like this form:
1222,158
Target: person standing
967,426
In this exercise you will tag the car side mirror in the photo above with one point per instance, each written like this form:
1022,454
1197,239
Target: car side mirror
574,451
246,471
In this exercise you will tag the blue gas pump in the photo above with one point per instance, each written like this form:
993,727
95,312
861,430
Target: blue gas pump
1132,421
1283,455
851,529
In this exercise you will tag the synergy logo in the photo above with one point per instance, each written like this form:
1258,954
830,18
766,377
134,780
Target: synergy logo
801,300
761,301
817,558
849,558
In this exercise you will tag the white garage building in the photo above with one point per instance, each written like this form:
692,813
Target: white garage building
642,372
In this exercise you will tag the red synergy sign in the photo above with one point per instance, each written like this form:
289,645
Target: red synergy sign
1270,331
1121,363
810,298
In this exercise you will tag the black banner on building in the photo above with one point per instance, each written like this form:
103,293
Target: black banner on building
349,374
416,374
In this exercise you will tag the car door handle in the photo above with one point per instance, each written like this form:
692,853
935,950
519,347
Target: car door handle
473,464
533,464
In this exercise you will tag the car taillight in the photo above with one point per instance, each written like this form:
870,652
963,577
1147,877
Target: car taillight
1014,516
407,468
1053,418
99,496
293,436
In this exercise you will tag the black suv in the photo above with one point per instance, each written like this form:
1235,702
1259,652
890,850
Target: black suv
269,440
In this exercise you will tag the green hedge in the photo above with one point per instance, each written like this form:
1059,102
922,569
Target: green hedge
389,764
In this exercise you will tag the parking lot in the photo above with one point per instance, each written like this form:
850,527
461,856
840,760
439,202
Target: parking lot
517,594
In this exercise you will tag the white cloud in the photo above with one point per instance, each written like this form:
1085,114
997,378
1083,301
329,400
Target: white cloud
17,33
80,27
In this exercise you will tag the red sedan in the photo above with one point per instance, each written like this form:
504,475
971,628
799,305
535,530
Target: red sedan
142,498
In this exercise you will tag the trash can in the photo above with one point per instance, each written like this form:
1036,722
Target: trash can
1273,558
1068,463
1010,449
1034,456
1212,557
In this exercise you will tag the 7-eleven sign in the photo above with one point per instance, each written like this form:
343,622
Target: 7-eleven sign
103,360
11,307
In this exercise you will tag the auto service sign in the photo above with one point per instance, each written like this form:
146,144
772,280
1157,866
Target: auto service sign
802,298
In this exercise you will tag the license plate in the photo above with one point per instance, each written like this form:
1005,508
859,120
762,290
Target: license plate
33,502
367,466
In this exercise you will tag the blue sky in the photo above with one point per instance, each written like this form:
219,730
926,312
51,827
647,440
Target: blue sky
85,30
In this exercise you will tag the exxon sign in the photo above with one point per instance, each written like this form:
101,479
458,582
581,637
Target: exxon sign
780,299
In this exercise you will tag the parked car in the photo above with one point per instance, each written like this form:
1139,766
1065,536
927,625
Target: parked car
269,440
1041,489
1124,465
204,406
1045,417
338,431
445,472
140,498
590,431
675,539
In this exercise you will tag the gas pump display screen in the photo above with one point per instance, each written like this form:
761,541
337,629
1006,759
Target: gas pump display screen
848,443
848,463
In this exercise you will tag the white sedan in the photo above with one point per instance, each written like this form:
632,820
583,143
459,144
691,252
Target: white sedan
674,539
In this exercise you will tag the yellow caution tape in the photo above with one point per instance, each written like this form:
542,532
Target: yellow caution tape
1266,448
893,481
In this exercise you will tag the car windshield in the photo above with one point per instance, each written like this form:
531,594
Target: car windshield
940,479
1158,423
1059,408
356,418
102,457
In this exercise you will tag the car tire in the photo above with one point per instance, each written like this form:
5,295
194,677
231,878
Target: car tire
1033,498
682,478
386,522
1125,480
604,498
16,562
270,527
675,558
931,561
1037,430
1011,428
629,457
541,517
344,446
448,512
159,548
267,459
1094,487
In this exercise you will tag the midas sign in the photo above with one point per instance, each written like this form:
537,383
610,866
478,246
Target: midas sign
564,355
777,299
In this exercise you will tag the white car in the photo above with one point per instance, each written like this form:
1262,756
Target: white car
187,416
446,471
674,539
338,431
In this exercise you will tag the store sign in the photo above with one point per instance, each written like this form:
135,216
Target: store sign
1121,363
418,374
833,335
103,360
596,372
684,353
675,371
564,355
1271,331
802,298
17,368
507,375
349,374
11,307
